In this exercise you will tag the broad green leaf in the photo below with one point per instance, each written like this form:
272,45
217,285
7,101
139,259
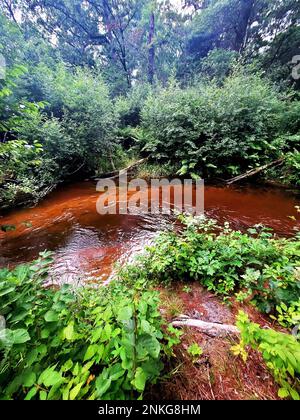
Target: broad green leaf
67,366
51,316
43,395
283,393
139,380
75,391
31,393
68,332
19,336
116,372
125,313
102,385
90,352
49,377
29,379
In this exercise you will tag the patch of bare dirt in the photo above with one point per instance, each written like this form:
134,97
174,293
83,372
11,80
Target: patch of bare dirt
217,374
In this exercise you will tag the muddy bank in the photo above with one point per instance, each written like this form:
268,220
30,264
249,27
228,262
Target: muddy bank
217,374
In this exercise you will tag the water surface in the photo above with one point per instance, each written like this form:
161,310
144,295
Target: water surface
86,244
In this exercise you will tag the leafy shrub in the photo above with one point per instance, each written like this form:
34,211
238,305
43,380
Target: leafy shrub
88,117
104,343
154,170
210,127
128,108
25,173
74,123
12,107
289,316
281,353
292,168
48,132
218,64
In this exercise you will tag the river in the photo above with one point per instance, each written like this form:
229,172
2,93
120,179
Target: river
86,245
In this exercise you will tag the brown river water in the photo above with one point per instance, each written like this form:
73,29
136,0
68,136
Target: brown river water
87,245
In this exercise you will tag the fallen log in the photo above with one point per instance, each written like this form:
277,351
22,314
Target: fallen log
209,328
116,174
255,171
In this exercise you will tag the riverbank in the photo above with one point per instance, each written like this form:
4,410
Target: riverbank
86,244
123,340
216,374
147,169
211,274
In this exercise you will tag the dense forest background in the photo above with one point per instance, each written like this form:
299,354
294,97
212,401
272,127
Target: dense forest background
205,88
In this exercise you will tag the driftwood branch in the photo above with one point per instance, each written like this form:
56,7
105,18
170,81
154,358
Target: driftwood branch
210,328
77,170
254,171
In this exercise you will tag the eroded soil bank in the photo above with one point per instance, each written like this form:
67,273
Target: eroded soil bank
217,374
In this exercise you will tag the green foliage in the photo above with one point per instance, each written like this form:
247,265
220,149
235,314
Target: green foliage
8,228
25,173
128,108
12,108
263,33
218,64
226,261
154,170
292,168
210,127
195,351
80,137
104,343
281,352
289,316
173,339
80,99
186,289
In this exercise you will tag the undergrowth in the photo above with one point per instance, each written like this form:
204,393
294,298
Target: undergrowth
280,351
255,267
92,343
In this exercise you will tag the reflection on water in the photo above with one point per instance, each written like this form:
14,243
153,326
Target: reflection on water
87,244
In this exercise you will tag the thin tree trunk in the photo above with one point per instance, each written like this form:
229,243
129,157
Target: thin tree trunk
243,24
151,46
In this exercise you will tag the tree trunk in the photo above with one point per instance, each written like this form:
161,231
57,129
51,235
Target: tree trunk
241,29
151,56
